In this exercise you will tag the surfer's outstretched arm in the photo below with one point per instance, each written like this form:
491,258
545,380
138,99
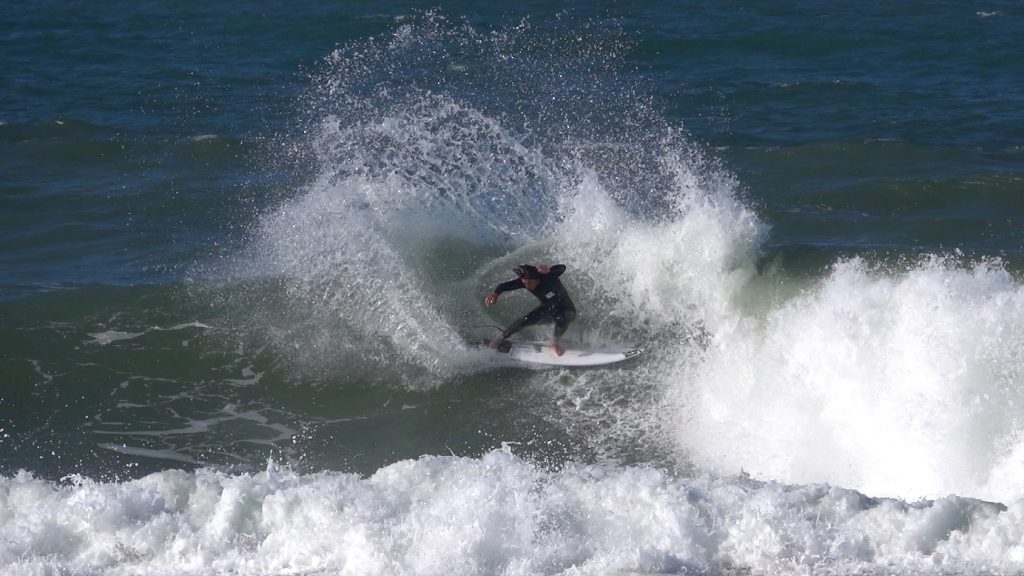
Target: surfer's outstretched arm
492,296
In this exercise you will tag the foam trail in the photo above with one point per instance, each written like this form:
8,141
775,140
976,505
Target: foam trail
495,514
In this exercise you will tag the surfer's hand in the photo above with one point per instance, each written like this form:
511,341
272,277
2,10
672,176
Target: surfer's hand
491,298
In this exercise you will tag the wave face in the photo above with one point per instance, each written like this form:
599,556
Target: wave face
494,515
894,379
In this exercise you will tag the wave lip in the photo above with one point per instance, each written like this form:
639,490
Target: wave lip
488,515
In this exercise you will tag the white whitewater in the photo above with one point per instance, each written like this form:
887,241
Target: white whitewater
493,515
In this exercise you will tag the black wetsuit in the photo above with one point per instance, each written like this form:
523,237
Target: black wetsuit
555,304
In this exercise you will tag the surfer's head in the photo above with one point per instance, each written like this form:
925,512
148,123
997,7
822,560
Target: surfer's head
528,274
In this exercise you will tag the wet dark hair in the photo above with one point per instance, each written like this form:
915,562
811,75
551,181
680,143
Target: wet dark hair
526,271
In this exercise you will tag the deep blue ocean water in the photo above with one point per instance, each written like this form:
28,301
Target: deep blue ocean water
242,247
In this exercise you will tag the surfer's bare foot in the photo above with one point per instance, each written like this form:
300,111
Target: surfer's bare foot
558,349
497,342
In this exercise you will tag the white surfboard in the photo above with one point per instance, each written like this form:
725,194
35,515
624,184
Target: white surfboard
542,353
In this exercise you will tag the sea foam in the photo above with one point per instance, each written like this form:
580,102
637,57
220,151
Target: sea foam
894,382
497,514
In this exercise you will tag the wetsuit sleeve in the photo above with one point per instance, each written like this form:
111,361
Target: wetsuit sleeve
510,285
557,270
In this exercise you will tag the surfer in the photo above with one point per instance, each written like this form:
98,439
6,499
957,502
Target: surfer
555,305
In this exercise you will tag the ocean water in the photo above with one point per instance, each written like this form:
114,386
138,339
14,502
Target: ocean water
243,247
